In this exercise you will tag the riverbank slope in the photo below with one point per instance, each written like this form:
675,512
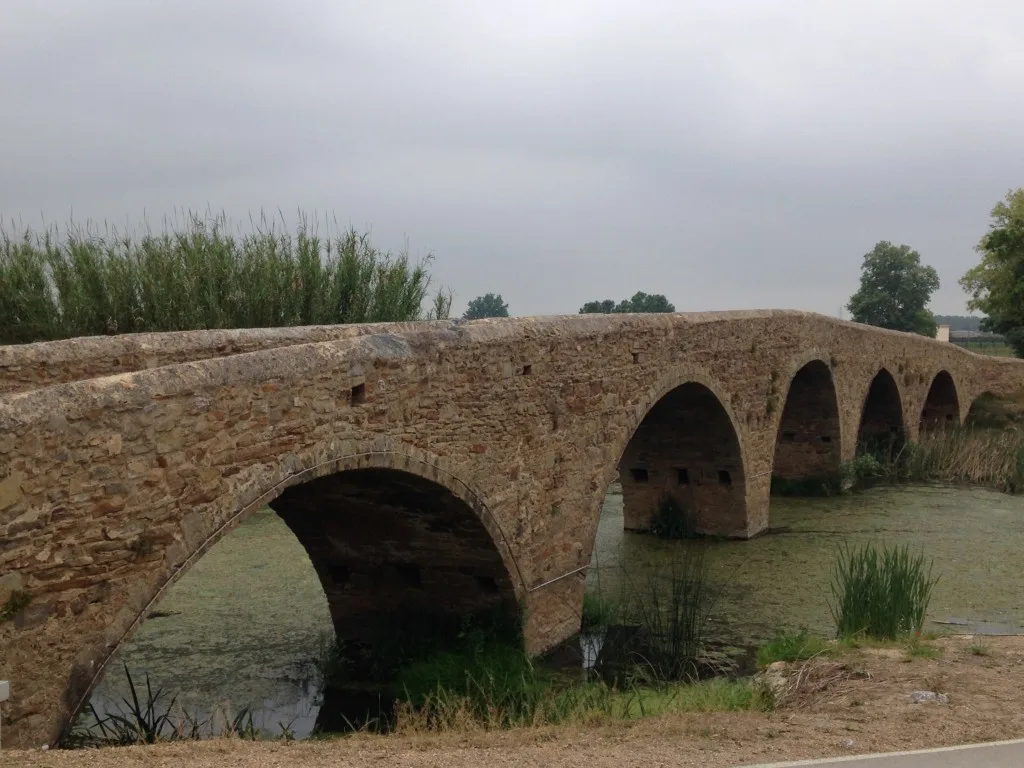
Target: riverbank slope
856,703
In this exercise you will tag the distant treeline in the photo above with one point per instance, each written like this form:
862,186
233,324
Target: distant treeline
959,322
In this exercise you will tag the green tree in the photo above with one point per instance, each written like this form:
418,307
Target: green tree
641,302
895,288
488,305
996,285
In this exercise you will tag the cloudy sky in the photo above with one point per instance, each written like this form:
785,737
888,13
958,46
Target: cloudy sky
727,153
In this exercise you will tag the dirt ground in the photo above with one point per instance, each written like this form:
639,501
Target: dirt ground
828,707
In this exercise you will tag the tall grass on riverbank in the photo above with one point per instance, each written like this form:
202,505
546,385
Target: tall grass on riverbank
991,458
670,611
882,594
198,274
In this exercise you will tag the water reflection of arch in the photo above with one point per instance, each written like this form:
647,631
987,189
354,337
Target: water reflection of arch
682,439
881,425
445,555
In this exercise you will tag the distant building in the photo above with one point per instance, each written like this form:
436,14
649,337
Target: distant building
943,333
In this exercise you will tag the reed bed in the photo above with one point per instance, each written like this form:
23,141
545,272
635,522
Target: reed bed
199,274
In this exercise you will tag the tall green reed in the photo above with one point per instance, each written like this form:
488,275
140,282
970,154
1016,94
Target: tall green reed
882,594
197,274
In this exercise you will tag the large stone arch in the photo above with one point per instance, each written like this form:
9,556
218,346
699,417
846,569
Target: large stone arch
882,423
683,439
321,470
941,407
808,440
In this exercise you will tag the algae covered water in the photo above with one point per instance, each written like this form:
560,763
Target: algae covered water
245,626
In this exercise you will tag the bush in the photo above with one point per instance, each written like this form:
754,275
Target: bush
862,471
883,595
83,283
669,520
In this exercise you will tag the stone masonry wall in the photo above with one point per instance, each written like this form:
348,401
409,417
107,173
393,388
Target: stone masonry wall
111,487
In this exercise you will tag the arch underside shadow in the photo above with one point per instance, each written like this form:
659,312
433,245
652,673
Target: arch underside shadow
685,447
942,405
403,561
808,445
882,429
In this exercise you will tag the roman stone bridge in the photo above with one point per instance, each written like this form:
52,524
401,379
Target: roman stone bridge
431,470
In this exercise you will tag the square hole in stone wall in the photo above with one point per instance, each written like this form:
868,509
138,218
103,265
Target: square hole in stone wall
358,394
724,477
636,357
639,475
527,370
682,476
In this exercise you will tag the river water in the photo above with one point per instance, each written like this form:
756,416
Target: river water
245,624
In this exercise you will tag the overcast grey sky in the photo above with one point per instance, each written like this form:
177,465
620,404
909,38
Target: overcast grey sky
730,154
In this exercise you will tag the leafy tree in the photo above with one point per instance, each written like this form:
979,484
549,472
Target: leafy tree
996,285
487,305
895,288
641,302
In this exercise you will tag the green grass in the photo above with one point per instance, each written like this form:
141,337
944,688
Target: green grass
450,709
198,274
792,646
17,602
882,594
598,612
979,650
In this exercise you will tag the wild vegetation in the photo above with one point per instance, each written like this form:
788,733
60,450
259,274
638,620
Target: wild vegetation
996,284
199,274
880,593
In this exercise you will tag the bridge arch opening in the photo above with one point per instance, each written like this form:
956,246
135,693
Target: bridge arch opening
685,449
882,431
808,446
942,405
399,563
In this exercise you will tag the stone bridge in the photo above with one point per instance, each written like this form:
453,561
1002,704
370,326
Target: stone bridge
430,469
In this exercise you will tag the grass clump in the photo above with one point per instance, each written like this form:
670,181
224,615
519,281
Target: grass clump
198,274
670,610
670,521
18,601
598,612
882,594
791,646
149,717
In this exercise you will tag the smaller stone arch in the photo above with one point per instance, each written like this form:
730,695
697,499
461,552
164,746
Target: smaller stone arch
808,445
882,427
298,489
941,407
685,443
